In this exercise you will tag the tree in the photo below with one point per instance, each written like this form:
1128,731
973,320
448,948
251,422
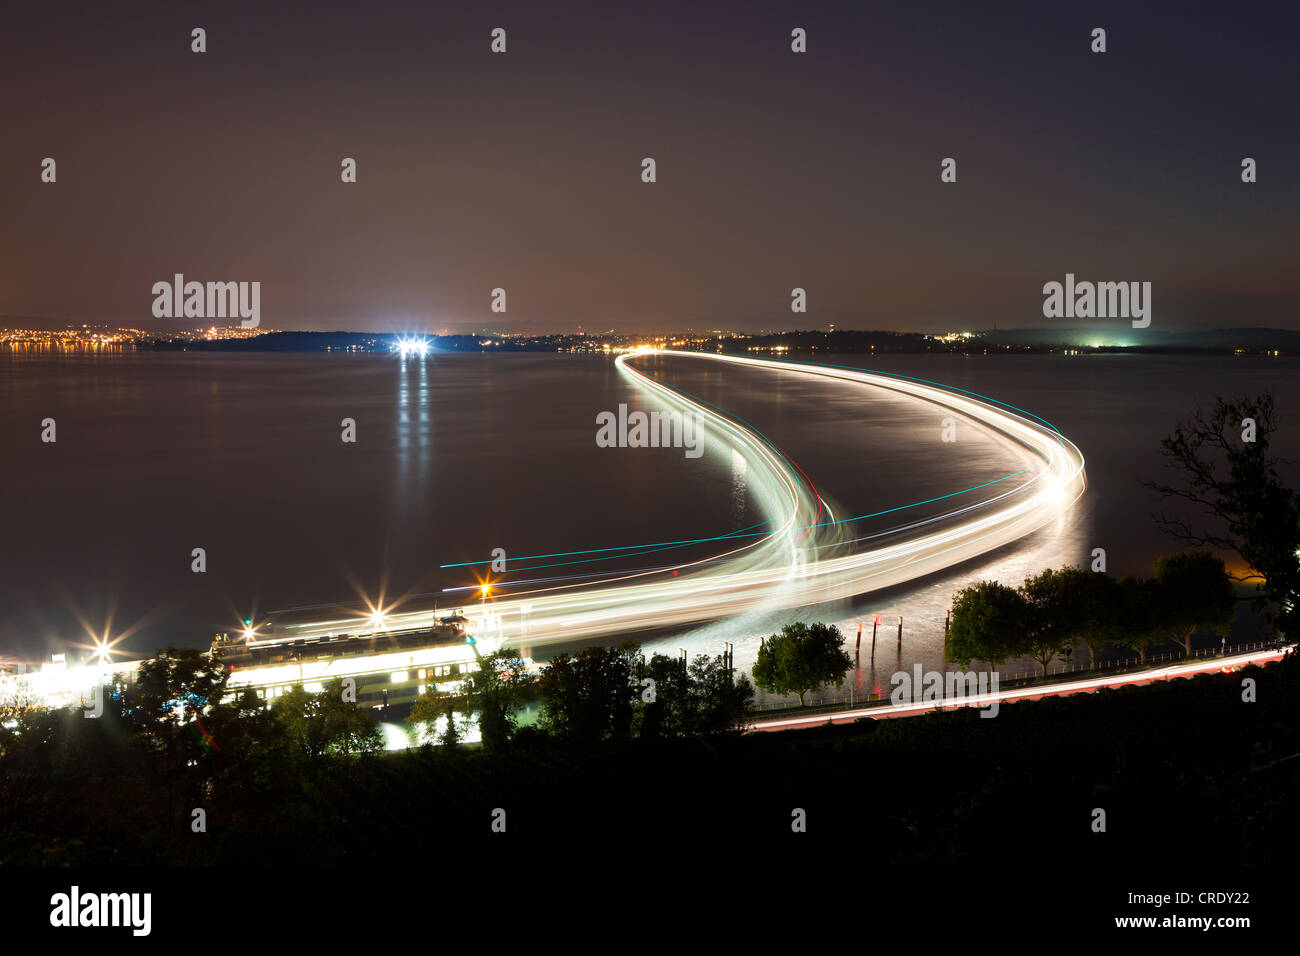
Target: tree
1047,629
801,658
1139,612
589,697
294,719
349,728
164,708
172,686
1088,605
325,723
451,731
703,698
1194,595
989,621
172,690
431,707
496,691
668,711
720,701
1245,508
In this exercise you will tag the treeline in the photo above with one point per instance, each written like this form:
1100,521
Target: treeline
174,749
1056,611
937,790
617,694
598,694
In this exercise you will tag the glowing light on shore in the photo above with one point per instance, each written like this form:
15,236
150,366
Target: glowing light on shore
408,346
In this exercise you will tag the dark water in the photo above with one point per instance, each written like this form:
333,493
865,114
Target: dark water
158,454
241,455
868,453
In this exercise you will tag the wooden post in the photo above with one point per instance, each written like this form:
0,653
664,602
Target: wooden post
900,632
874,627
857,647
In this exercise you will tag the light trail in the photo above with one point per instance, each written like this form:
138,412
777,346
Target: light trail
805,557
1223,665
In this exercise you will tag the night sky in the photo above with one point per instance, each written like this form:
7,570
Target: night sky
775,170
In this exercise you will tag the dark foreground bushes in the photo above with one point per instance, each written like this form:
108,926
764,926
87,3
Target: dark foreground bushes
1184,770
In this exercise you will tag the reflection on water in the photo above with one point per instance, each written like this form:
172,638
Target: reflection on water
159,453
414,437
739,492
866,452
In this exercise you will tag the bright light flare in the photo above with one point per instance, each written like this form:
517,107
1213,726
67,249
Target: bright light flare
408,346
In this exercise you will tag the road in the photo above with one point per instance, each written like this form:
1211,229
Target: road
1035,692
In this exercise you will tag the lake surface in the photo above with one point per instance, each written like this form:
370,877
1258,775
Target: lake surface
455,455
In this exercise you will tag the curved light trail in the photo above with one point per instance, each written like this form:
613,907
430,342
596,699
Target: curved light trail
806,555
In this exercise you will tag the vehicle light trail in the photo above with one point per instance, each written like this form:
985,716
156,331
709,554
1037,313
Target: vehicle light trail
1222,665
